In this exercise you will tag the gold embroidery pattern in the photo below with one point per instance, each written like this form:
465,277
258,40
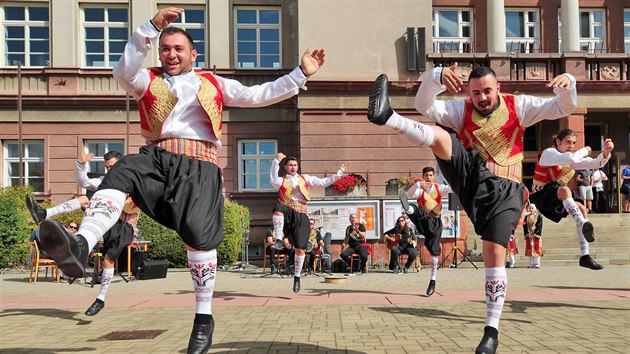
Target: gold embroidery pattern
430,204
512,172
157,113
566,173
491,138
206,97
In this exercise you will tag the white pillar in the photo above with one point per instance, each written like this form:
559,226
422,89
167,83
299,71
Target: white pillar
496,26
570,18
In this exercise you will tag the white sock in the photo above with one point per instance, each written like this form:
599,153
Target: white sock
106,280
512,260
203,270
496,291
584,247
298,262
415,131
572,208
65,207
532,261
537,260
434,267
104,210
278,226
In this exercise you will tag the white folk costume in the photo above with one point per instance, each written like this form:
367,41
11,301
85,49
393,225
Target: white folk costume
485,167
175,179
293,194
426,217
556,169
532,228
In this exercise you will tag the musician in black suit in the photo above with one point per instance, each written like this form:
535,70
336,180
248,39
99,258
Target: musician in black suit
405,245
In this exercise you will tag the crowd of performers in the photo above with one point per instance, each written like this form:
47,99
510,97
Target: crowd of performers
175,179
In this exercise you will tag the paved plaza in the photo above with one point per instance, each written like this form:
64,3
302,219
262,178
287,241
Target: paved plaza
556,309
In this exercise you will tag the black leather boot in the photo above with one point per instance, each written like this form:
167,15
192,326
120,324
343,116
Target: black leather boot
37,212
402,195
201,337
278,245
95,307
296,284
431,288
70,252
587,262
489,342
379,109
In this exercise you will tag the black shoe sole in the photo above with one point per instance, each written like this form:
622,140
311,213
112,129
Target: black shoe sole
56,243
32,205
587,231
375,93
94,309
402,195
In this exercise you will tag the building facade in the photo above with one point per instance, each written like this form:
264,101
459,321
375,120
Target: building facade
61,100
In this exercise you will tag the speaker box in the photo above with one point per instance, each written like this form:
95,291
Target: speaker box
412,58
152,270
137,258
422,49
453,202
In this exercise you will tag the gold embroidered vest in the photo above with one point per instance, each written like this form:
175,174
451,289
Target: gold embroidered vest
431,202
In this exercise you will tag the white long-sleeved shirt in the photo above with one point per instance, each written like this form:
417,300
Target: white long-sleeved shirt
531,109
276,181
416,190
80,173
188,120
578,160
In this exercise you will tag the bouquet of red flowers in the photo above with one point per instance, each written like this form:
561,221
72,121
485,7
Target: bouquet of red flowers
347,183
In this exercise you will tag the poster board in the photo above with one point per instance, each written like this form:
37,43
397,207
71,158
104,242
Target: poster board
333,216
450,222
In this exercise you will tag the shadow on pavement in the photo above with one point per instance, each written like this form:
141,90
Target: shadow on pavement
45,351
62,314
522,306
581,288
277,347
432,313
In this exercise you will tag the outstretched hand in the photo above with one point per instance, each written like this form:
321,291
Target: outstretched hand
280,156
83,158
166,16
608,147
560,81
453,81
312,61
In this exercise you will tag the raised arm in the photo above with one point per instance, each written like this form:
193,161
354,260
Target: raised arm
534,109
448,113
275,180
80,173
325,182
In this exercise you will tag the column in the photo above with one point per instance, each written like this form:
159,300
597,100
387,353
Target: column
570,18
496,26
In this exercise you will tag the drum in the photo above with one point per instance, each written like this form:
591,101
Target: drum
309,247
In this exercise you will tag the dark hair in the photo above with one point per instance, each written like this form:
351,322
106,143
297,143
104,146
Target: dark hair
72,222
427,170
561,135
112,155
173,30
481,72
290,158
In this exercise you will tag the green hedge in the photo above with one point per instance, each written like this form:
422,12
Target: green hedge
166,244
15,228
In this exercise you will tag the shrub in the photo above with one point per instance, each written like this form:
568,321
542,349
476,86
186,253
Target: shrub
347,183
14,226
235,220
403,182
166,244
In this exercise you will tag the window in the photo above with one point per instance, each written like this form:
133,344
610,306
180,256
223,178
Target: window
254,163
105,33
594,135
26,35
193,21
258,38
32,164
522,31
452,31
626,29
99,148
592,31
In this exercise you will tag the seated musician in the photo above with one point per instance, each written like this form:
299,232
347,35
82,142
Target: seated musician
401,241
272,252
315,241
354,242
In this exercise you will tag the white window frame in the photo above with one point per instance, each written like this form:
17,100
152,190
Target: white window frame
589,44
98,159
527,43
182,23
26,159
258,157
461,41
626,28
258,27
105,25
26,23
